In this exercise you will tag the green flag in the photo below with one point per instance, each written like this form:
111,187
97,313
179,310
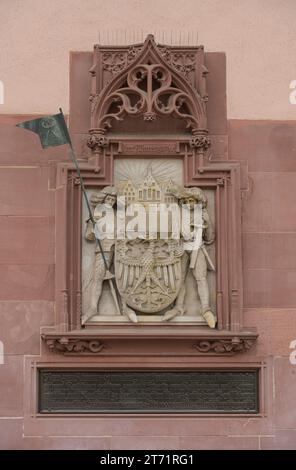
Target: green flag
52,130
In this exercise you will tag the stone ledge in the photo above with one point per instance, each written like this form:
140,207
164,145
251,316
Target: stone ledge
199,341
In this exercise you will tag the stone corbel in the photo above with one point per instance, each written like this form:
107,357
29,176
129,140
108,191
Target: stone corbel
200,142
98,143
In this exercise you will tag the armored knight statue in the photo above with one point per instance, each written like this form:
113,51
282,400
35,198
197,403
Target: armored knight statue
195,256
103,259
93,285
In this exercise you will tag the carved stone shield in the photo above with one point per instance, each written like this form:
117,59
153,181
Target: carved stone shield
148,273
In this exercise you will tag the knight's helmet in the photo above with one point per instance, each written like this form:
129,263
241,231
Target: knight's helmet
196,193
100,196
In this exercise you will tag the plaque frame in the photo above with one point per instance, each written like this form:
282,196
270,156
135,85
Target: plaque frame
34,419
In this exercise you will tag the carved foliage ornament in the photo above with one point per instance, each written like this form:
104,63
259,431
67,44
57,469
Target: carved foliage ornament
200,142
183,62
224,346
114,62
93,346
75,345
97,141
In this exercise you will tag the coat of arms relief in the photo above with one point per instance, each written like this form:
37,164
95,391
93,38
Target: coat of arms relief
150,143
147,267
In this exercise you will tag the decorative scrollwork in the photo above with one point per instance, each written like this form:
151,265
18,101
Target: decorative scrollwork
150,92
223,346
75,345
150,87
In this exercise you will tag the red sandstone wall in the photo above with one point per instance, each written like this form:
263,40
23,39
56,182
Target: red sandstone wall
269,259
257,86
27,264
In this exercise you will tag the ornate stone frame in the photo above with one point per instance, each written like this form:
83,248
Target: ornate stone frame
200,169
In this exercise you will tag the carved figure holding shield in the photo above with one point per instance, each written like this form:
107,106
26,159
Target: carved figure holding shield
195,255
94,283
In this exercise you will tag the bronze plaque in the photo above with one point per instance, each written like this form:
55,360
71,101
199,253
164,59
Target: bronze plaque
202,391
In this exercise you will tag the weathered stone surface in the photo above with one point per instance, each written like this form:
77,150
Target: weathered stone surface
11,384
276,329
27,282
267,146
282,440
20,324
27,240
284,397
20,147
11,433
18,189
220,443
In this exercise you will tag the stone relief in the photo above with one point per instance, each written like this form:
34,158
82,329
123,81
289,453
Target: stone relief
195,257
103,254
149,278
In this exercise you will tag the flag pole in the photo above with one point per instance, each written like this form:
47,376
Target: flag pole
91,217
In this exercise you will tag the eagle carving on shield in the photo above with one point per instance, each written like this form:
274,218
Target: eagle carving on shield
148,271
